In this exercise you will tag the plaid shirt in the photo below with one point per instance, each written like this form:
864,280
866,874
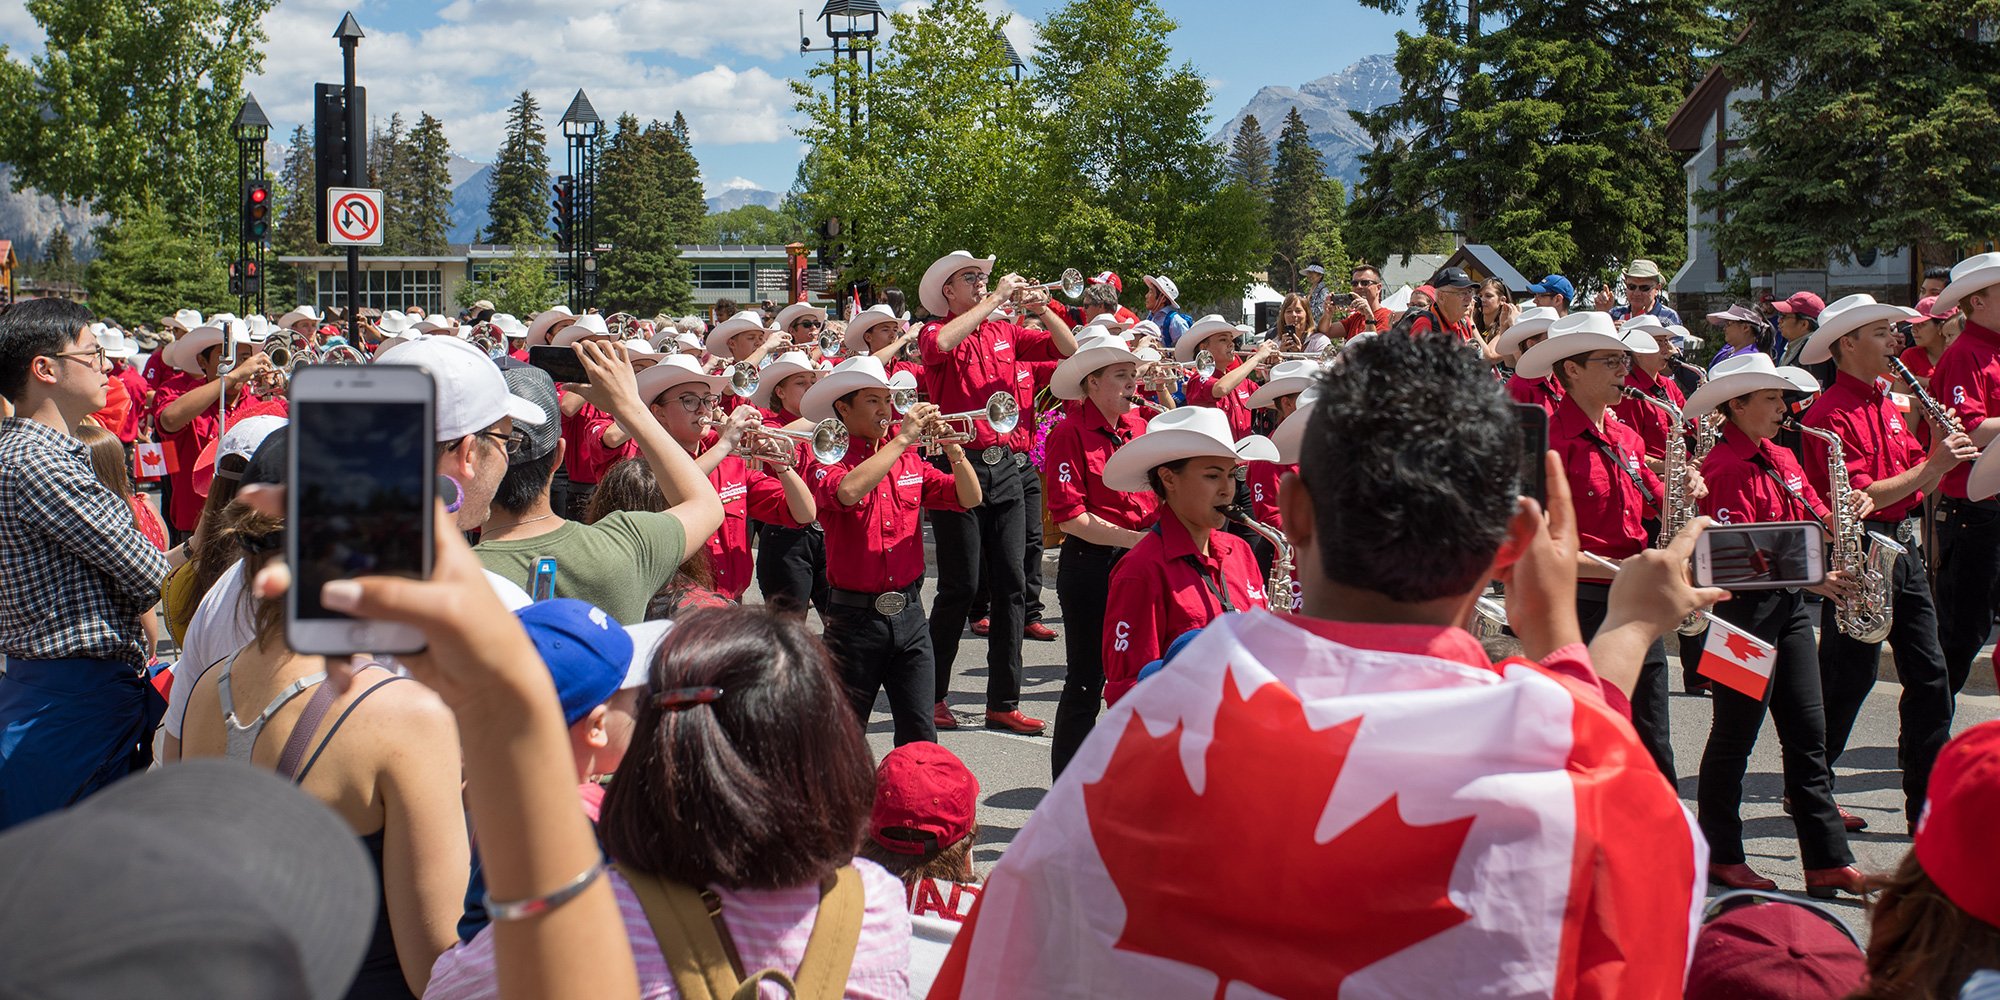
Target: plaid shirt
77,572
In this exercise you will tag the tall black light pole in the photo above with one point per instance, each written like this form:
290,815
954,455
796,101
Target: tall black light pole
350,37
581,127
849,37
250,130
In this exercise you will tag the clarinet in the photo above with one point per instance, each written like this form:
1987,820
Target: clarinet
1945,419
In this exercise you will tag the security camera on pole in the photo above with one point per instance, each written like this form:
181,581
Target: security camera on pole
340,159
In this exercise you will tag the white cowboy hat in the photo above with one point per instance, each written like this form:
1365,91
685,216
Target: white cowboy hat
855,340
434,323
1984,479
1287,378
1533,320
114,342
185,320
1580,333
640,353
302,312
788,364
538,325
930,291
1187,432
1647,322
1289,436
1202,329
1682,336
674,371
717,343
1967,276
259,326
1143,328
798,310
394,322
1108,323
1096,352
1844,316
185,352
1732,377
586,325
859,372
511,328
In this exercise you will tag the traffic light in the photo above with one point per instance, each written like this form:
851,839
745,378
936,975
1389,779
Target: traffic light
256,211
564,219
245,280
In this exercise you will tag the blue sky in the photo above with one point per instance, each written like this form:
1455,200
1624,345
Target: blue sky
722,63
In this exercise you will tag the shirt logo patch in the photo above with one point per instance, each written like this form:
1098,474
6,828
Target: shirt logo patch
1122,636
731,492
1958,394
910,479
1063,473
1794,482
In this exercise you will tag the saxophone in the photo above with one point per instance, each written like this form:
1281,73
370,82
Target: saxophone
1867,557
1279,589
1679,507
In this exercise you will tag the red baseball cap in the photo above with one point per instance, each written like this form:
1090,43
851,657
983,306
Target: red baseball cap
925,798
1802,304
1924,306
1778,950
1107,278
1954,840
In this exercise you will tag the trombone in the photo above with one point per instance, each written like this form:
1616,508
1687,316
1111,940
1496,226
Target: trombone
777,446
1002,413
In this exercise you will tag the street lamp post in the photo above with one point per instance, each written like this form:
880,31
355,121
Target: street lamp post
250,130
581,127
850,38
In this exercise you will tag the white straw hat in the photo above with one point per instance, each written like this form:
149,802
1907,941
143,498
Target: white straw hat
1099,351
788,364
1968,276
1580,333
855,340
1200,330
586,325
1844,316
717,343
1287,378
859,372
1732,377
1186,432
1289,436
539,324
1533,320
930,291
673,371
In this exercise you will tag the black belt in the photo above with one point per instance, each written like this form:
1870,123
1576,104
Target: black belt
1990,503
1069,540
888,604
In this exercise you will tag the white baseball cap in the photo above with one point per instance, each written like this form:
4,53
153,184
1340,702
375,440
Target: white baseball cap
471,393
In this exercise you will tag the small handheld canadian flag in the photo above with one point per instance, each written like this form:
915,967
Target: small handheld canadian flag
149,460
1736,659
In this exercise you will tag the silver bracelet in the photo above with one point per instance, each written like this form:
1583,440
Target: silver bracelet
533,906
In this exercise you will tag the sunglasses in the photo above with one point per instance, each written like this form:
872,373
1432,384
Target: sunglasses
1365,283
1641,288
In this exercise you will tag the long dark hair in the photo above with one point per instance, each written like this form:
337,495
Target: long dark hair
763,786
1920,944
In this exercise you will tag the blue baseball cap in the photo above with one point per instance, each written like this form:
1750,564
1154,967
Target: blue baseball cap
586,649
1554,284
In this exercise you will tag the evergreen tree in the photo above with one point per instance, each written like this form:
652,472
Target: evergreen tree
645,183
519,203
148,266
294,233
1297,183
681,130
1323,242
58,263
389,169
427,205
1250,157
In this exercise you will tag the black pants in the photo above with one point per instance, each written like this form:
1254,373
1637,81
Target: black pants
1031,560
1778,617
987,538
1968,579
893,652
1847,671
175,536
791,567
1083,584
1650,715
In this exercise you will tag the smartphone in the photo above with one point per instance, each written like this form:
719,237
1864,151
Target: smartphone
561,363
361,490
543,586
1534,422
1761,556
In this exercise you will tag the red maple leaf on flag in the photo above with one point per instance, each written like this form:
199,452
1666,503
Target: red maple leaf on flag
1743,647
1232,881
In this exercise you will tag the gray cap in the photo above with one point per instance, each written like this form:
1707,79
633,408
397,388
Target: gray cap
535,386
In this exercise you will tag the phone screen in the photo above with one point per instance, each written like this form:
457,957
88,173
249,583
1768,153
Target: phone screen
1534,444
561,363
1768,554
360,482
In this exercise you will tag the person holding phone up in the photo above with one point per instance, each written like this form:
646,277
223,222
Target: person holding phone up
1613,489
1753,480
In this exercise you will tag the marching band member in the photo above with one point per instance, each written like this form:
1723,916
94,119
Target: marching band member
1967,379
1752,479
1885,461
1185,570
969,357
514,334
1099,524
1281,395
740,339
592,440
185,404
1649,375
1613,489
304,322
879,332
545,324
801,323
679,395
1229,387
1526,331
871,505
791,560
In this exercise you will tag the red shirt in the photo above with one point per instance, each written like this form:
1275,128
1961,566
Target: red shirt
147,521
1545,392
877,545
1077,450
138,390
745,493
183,447
1650,421
520,354
1264,478
587,456
987,361
1744,489
1157,593
1431,322
1875,441
1352,324
1610,510
1918,361
1235,405
1967,379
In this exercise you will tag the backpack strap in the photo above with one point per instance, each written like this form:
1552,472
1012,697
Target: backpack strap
303,731
702,956
836,932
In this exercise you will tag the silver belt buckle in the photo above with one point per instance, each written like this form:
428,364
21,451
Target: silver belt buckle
891,604
1907,531
993,455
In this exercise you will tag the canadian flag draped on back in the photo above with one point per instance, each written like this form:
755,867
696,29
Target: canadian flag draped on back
1280,814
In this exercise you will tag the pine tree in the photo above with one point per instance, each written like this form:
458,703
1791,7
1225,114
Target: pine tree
1296,186
427,208
1250,157
681,129
294,234
1323,243
643,212
148,266
58,263
519,203
389,169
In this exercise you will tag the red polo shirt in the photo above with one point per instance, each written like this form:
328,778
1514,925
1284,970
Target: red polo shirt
588,457
1352,324
183,447
1610,510
1650,421
1876,441
1544,392
1967,379
1077,450
745,493
877,545
1743,482
987,361
1263,479
1162,588
1235,405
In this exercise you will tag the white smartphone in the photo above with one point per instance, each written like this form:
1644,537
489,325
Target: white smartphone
1761,556
361,483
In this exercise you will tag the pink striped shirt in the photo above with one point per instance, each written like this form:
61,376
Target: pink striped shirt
770,928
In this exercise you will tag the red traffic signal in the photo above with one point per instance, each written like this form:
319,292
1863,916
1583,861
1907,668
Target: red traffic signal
256,211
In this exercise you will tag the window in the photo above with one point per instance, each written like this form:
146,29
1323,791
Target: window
385,290
722,277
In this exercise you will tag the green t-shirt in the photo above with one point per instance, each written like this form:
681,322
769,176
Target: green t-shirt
617,564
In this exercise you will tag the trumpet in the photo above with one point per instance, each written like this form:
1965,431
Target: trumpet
1071,284
1002,413
1328,353
743,378
829,342
1165,372
777,446
902,398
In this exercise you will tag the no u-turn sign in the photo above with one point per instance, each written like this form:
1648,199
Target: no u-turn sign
354,217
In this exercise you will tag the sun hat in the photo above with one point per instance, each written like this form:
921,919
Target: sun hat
1289,436
1970,275
184,320
1734,376
1165,286
1737,313
639,351
1580,333
677,370
185,352
646,639
1200,330
240,441
1531,321
115,343
1313,269
1554,284
252,888
539,324
1096,352
1954,838
859,372
1186,432
1770,945
1287,377
302,312
798,310
259,327
930,291
1844,316
587,652
1804,304
471,394
586,325
1642,268
925,800
717,343
788,364
855,339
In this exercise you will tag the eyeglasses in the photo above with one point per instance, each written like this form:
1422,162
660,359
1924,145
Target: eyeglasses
1641,288
695,404
515,442
1612,361
97,357
1365,283
809,323
973,278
